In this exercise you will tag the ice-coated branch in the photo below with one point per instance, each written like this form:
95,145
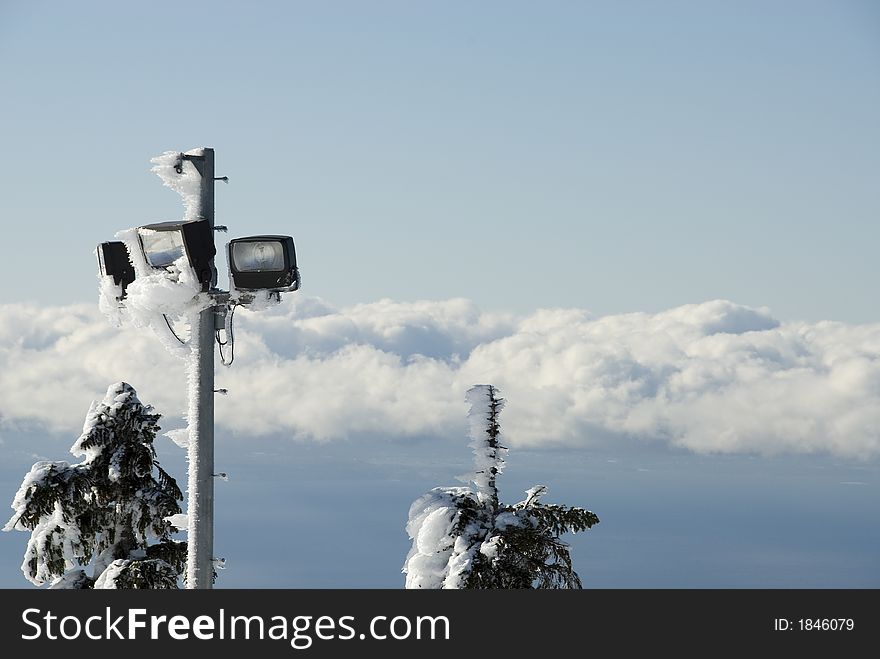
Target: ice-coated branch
106,510
485,434
466,538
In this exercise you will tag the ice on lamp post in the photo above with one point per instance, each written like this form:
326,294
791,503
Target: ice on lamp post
161,248
165,243
113,262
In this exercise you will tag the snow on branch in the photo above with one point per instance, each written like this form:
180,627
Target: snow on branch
485,434
464,537
108,511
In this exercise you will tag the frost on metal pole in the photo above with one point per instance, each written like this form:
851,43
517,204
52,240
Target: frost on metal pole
199,567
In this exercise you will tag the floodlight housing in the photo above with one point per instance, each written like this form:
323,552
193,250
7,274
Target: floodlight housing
113,261
263,263
165,242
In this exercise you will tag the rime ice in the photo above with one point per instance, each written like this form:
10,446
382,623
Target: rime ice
465,537
185,182
168,299
107,511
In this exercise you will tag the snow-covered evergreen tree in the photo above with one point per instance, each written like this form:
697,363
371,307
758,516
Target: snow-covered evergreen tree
107,511
464,537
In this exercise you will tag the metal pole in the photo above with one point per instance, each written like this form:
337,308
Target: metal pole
200,556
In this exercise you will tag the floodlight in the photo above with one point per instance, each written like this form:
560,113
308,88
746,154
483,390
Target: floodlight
263,263
113,261
165,242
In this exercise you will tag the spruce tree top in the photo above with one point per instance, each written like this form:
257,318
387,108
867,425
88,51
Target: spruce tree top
465,537
108,507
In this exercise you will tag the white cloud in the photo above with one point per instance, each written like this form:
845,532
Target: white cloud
708,377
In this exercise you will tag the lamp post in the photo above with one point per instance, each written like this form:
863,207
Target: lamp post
256,264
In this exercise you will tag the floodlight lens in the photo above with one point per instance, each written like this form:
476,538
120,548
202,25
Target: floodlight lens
162,248
258,256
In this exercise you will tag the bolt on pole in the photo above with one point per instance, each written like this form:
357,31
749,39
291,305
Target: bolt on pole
200,531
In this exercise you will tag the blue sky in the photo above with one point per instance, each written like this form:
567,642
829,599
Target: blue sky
609,156
628,163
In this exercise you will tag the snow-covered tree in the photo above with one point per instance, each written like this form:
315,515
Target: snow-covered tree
108,511
464,537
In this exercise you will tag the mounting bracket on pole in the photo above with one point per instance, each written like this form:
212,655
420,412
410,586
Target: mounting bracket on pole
178,166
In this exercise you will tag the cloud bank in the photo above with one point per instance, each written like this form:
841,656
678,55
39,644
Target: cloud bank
710,377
